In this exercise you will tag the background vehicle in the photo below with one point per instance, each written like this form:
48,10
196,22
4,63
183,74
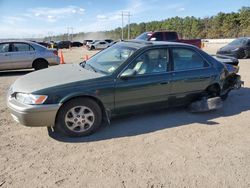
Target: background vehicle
87,41
64,44
124,78
239,48
45,44
109,40
99,45
26,54
226,59
170,36
76,44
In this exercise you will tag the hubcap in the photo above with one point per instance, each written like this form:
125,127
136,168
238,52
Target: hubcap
79,119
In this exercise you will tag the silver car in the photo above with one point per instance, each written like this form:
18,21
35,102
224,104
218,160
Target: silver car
25,55
99,45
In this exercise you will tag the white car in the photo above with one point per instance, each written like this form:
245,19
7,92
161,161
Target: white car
99,45
26,54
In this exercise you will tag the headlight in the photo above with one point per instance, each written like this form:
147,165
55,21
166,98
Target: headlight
236,49
31,99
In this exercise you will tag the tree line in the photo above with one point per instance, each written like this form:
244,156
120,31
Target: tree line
222,25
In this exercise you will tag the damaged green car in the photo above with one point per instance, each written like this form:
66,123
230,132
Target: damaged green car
129,76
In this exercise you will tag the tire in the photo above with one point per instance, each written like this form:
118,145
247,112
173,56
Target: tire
92,48
79,117
40,64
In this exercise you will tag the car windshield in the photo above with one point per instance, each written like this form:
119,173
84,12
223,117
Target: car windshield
108,60
143,36
238,41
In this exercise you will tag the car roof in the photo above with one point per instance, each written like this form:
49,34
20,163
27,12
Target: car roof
143,43
24,41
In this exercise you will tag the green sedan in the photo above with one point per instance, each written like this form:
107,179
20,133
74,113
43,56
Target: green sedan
127,77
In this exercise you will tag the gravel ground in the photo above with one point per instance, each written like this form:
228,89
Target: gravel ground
169,148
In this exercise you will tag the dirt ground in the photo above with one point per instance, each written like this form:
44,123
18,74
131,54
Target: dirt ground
169,148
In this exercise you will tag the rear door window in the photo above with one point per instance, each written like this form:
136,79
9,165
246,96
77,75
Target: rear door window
4,47
22,47
187,59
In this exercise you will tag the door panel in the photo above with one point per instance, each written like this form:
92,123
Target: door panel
191,75
150,85
22,55
5,60
142,90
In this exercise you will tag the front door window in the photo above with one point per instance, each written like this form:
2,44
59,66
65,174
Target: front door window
150,62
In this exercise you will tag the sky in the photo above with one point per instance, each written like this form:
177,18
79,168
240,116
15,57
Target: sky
40,18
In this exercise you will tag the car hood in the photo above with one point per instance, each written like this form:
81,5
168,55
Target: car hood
53,76
229,47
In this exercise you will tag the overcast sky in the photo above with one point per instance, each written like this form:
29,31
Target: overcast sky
38,18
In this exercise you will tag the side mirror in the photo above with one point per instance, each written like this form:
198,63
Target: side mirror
128,73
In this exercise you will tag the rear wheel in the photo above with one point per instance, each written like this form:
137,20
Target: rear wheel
213,91
79,117
40,64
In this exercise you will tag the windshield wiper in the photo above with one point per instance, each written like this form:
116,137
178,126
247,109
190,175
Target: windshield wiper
83,63
91,67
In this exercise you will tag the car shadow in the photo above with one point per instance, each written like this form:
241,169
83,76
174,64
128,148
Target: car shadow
15,72
149,122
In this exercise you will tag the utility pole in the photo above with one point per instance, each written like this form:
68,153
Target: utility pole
122,25
70,33
126,13
129,25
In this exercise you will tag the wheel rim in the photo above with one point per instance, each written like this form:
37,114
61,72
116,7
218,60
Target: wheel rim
79,119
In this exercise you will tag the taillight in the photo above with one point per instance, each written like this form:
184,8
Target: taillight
55,52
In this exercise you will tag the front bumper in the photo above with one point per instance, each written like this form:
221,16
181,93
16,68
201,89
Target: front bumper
33,115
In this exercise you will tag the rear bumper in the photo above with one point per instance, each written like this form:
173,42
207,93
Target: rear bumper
33,115
54,61
232,82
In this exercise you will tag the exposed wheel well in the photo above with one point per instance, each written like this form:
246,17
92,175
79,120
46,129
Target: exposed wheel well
214,89
104,114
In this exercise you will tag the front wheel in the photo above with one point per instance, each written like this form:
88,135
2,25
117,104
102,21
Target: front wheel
79,117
